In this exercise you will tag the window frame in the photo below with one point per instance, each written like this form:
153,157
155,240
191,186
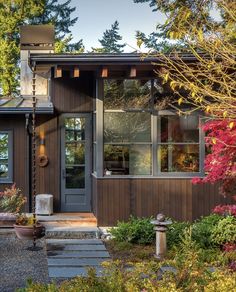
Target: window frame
155,132
8,179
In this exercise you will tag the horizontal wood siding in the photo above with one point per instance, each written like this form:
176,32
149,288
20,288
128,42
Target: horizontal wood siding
48,177
20,168
71,95
117,199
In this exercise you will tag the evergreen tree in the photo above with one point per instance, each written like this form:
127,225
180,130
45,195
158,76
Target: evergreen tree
161,40
110,40
12,15
19,12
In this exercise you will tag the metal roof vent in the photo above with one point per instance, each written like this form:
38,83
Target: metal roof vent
37,37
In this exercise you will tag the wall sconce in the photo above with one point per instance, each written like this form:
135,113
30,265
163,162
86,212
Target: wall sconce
42,141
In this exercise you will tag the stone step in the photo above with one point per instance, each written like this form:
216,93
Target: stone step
75,247
70,219
77,254
71,232
75,262
74,241
72,257
69,272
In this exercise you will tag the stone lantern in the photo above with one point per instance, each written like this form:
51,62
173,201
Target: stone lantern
160,226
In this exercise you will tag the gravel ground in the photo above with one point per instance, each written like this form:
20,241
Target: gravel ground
17,264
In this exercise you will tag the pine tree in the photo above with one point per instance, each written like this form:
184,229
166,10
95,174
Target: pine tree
12,15
110,40
160,40
19,12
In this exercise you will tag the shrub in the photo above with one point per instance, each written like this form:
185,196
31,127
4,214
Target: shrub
225,210
224,231
136,230
202,230
11,200
175,232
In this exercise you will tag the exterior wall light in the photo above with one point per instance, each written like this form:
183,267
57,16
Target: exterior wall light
42,141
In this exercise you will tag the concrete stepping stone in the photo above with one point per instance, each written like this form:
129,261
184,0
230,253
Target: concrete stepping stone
68,258
70,272
78,254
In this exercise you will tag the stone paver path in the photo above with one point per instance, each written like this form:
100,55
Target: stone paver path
71,257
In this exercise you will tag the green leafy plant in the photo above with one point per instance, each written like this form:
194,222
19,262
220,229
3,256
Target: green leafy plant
224,231
136,230
175,232
202,230
12,200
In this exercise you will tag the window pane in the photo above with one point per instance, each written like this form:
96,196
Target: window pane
75,129
75,177
4,140
3,170
75,153
129,93
179,158
116,159
179,129
128,159
140,160
127,127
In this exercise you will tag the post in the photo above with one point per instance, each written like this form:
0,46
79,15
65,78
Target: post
160,226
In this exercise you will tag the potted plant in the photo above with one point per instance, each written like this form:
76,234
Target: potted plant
13,201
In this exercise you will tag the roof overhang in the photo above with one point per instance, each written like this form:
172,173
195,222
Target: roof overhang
21,105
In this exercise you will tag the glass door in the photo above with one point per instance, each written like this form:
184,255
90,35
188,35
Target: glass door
76,163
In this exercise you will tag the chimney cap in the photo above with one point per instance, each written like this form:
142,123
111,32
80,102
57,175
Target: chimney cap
37,37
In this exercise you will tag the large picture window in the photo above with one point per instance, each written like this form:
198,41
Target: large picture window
127,127
6,158
139,139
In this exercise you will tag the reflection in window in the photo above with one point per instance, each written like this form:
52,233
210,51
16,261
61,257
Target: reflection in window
179,144
4,155
179,158
75,129
127,127
132,146
128,93
179,129
127,159
75,152
75,177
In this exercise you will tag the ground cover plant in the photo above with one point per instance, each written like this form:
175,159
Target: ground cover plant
189,273
202,257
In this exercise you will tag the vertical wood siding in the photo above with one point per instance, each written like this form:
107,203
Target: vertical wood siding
71,95
117,199
16,124
48,178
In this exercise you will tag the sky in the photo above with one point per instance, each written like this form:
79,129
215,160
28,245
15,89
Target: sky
95,16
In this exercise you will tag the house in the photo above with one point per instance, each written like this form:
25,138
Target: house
103,143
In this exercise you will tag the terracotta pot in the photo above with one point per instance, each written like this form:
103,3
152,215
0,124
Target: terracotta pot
26,232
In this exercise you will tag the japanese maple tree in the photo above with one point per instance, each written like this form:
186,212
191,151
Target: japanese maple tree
220,163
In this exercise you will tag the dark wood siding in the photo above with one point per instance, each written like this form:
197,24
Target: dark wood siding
70,95
16,124
48,178
117,199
